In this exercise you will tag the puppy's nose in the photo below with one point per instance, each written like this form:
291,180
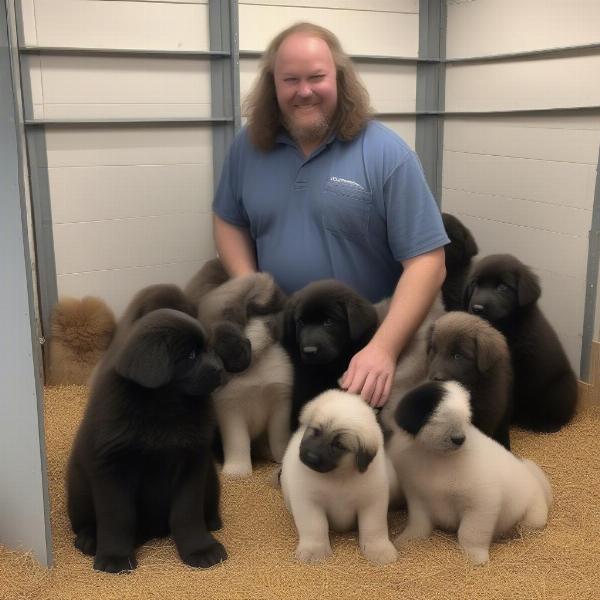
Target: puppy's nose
458,439
310,349
310,458
477,309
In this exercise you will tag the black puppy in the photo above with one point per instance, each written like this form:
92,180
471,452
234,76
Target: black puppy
325,324
468,349
459,252
141,465
502,290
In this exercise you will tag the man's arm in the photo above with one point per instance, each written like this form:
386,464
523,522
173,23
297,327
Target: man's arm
371,371
235,247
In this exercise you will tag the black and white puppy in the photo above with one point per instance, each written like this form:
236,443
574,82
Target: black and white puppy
505,292
325,324
456,478
141,465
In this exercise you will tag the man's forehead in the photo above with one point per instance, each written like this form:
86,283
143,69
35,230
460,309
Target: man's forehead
300,48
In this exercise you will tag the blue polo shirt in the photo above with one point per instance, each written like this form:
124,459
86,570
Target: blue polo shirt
350,211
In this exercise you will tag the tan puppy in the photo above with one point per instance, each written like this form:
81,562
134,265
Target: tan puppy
457,478
81,331
334,475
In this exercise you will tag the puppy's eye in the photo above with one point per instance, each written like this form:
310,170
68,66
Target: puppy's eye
502,287
327,323
192,355
337,444
457,356
316,432
299,322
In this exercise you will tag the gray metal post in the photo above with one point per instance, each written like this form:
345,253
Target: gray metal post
24,505
225,77
591,279
430,91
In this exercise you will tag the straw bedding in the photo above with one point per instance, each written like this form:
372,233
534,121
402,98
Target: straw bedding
558,562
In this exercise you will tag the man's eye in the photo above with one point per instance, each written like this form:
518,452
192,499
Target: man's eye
290,80
316,77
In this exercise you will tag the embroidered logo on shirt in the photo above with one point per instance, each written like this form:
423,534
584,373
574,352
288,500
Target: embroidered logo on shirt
347,182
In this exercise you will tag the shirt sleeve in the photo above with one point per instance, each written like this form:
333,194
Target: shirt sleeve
227,203
414,221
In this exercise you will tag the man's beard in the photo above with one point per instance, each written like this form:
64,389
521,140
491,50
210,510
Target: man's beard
314,132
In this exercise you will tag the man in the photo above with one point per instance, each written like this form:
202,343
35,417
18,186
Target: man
313,189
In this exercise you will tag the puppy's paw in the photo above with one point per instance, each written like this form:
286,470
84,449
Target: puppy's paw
114,564
381,552
276,478
478,556
312,553
86,541
238,470
206,557
232,346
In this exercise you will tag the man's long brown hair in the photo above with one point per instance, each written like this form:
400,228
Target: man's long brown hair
264,117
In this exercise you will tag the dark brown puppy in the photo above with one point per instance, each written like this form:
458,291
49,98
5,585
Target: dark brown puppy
467,349
459,253
502,290
325,324
141,465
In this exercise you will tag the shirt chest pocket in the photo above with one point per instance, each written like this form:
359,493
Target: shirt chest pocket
346,211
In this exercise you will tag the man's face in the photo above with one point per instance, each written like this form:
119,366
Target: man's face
306,86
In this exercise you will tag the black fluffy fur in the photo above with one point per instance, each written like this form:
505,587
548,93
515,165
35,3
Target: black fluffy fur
141,465
417,406
459,253
329,316
502,290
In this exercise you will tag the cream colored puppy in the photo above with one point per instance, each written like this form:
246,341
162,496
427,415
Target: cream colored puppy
456,478
334,475
255,402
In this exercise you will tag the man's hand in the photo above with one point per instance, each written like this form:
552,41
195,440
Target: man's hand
370,374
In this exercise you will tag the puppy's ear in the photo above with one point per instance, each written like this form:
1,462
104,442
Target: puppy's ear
486,351
469,244
468,292
362,318
364,456
528,287
289,323
145,359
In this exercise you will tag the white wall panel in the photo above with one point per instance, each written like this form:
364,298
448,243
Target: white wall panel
484,27
407,6
99,24
359,31
546,138
136,242
88,146
119,192
524,84
118,286
568,184
123,87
